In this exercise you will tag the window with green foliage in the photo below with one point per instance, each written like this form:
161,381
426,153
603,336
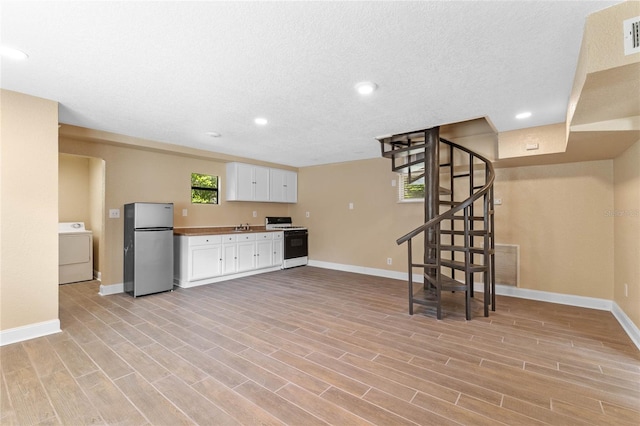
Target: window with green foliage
409,191
204,189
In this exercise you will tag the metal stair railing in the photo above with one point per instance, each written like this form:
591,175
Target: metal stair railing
406,146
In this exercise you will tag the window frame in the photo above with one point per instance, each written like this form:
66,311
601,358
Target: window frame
215,190
402,191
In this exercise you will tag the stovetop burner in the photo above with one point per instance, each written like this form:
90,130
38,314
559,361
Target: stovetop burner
285,227
281,222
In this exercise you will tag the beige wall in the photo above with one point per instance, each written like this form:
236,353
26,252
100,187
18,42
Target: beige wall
550,139
555,213
73,189
364,236
137,174
96,207
28,210
626,219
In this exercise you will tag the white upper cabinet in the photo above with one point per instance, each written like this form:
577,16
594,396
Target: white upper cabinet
246,182
284,186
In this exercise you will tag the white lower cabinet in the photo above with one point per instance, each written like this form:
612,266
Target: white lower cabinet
278,248
205,262
246,255
229,254
264,250
204,257
207,259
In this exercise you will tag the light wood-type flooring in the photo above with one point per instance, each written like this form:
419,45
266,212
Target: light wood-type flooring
310,346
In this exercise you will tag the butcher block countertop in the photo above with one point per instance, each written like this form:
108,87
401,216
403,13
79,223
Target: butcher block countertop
216,230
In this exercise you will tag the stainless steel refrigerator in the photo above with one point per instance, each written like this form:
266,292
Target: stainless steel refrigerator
148,248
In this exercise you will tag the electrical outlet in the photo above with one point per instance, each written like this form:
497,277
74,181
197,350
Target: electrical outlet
350,206
114,213
393,182
389,261
307,214
497,201
184,212
255,213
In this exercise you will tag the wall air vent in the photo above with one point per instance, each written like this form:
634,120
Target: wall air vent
507,264
631,29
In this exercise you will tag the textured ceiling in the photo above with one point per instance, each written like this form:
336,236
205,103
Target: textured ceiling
173,71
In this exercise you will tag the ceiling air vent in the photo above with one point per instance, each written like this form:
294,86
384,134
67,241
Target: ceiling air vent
631,29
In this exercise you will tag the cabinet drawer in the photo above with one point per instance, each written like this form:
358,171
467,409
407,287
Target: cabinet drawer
204,240
264,236
278,235
229,238
246,237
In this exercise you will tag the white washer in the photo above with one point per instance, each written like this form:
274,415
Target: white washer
75,245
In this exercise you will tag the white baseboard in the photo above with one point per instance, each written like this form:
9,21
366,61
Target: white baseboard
546,296
359,270
31,331
504,290
632,330
106,290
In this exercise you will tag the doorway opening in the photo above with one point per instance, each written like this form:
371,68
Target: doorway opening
81,195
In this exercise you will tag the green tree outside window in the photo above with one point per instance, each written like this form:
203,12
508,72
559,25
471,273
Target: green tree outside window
204,189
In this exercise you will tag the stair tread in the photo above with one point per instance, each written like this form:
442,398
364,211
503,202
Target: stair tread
475,250
475,232
456,264
447,283
426,299
475,218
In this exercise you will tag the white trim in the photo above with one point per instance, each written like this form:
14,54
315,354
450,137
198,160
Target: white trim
546,296
505,290
106,290
632,330
221,278
359,269
27,332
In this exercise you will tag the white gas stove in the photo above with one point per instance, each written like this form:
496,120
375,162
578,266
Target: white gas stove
281,223
295,241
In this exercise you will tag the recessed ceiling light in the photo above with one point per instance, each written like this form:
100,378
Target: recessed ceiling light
366,87
11,53
261,121
214,134
523,115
